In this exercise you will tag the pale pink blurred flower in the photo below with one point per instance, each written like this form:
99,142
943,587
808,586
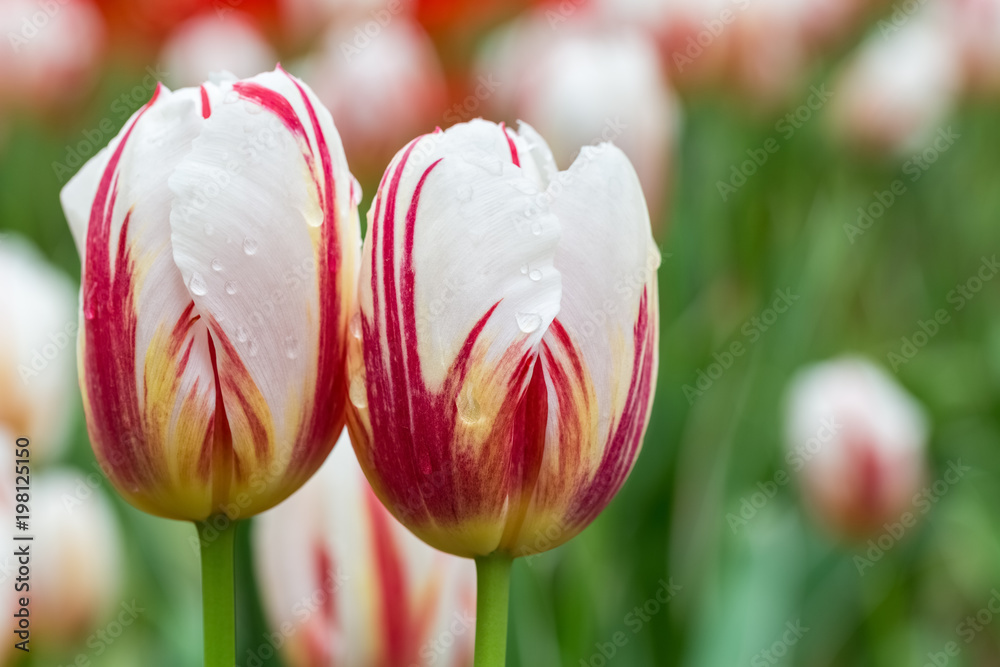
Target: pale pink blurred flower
345,585
976,26
76,557
38,307
304,20
583,84
857,441
50,53
215,43
382,91
898,89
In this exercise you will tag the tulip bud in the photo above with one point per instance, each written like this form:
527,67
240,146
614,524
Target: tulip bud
37,346
50,52
857,441
218,235
585,84
896,92
76,558
345,584
382,90
213,43
505,353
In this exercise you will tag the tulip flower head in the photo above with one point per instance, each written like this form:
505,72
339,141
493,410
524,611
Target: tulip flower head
381,596
505,349
857,440
37,341
77,559
218,236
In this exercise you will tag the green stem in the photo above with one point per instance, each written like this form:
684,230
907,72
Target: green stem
492,597
217,590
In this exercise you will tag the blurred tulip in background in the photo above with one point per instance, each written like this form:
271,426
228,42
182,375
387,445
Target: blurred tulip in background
211,43
858,441
376,594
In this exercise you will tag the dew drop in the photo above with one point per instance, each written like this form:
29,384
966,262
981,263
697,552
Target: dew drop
468,408
249,246
209,229
242,335
216,264
528,322
464,192
524,269
89,312
358,392
231,97
535,275
253,348
252,108
356,192
356,326
197,285
291,347
536,228
231,287
314,217
90,309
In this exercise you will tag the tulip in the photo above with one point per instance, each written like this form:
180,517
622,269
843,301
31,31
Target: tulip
51,51
383,94
587,83
77,559
975,25
895,93
218,235
211,43
857,441
505,349
379,595
38,308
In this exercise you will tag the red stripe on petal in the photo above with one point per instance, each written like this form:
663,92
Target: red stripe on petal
206,106
511,144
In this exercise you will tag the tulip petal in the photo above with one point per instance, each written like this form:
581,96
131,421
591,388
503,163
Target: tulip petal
269,156
599,356
147,377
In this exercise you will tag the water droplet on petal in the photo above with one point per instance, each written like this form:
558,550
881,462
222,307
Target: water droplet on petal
89,304
358,392
216,264
249,246
291,347
528,322
197,285
468,408
252,108
242,335
356,325
231,287
253,348
524,269
535,275
464,192
314,216
356,192
209,229
536,228
231,97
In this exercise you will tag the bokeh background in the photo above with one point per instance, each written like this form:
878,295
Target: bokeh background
843,153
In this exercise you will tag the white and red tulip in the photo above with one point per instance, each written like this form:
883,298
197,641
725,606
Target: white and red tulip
898,89
37,345
77,561
218,236
857,441
382,95
346,585
506,344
